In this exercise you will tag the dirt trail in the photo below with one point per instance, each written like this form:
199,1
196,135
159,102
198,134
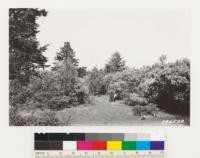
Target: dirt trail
103,112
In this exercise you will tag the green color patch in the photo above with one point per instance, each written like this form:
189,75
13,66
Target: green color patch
128,145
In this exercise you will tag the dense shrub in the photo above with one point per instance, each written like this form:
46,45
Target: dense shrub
165,84
96,83
56,99
58,103
45,119
123,82
46,92
82,96
15,119
170,88
134,99
150,109
18,94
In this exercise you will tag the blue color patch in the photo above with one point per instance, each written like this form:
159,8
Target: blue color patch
142,145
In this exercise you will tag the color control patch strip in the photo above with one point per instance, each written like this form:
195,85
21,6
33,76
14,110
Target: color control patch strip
101,141
90,145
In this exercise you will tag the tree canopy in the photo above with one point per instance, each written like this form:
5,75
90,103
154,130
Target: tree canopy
67,53
25,52
116,63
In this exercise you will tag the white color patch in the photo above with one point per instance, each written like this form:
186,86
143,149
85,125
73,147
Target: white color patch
69,145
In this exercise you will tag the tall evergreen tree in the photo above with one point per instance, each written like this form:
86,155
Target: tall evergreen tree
66,67
116,63
67,53
25,52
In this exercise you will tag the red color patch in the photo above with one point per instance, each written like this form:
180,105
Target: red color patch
99,145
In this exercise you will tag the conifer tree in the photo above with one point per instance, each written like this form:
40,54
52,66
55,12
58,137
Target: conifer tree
25,52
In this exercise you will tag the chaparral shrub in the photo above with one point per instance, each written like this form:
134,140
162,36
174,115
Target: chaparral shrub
45,119
150,109
170,88
134,99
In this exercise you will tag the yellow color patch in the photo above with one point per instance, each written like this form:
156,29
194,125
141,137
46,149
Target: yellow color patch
114,145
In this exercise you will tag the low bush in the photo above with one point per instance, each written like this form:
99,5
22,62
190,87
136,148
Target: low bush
36,105
58,103
15,119
150,109
18,94
134,99
45,119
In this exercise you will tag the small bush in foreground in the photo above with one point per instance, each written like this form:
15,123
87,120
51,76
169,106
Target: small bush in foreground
150,109
46,119
58,103
15,119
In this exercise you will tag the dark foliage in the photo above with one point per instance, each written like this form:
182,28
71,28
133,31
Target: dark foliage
82,71
67,53
116,63
165,84
25,53
170,88
96,82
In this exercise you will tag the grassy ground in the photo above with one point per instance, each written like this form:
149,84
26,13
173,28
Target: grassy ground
103,112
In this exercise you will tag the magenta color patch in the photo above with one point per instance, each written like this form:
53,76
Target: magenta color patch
84,145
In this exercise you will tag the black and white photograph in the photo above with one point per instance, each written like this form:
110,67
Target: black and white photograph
99,67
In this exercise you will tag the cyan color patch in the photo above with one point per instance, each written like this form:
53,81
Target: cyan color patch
142,145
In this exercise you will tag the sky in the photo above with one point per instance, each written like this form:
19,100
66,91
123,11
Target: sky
141,36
